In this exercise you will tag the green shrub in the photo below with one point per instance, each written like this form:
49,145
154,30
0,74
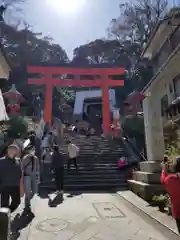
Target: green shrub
163,202
172,151
17,127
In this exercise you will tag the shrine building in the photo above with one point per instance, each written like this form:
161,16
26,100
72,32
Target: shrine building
161,105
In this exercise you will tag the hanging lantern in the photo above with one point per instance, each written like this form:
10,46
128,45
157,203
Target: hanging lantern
14,100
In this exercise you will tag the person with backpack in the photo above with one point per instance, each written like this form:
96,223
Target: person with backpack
31,172
10,178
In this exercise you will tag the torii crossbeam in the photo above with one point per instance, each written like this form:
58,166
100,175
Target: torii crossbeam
50,80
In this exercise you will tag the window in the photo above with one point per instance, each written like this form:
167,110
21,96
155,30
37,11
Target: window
176,83
168,47
164,104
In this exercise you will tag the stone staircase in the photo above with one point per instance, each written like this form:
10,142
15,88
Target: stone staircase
97,166
146,182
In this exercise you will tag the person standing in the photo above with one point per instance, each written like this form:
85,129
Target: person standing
45,146
58,168
32,136
31,171
171,182
10,178
73,152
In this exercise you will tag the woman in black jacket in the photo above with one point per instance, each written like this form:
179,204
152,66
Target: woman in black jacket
58,168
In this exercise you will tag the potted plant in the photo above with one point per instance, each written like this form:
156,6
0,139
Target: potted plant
160,201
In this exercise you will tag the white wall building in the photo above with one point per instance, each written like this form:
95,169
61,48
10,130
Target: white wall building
4,74
81,96
163,50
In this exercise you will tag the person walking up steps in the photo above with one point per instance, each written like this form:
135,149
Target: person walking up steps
73,152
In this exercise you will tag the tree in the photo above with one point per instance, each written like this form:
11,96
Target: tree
24,47
100,51
137,20
11,9
133,126
132,29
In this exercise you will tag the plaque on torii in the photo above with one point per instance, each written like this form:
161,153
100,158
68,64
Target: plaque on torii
102,78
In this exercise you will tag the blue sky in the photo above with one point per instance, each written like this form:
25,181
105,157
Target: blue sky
70,30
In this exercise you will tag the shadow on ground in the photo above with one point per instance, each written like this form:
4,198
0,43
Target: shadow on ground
20,222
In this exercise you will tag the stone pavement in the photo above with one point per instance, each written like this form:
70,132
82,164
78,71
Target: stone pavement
152,211
90,217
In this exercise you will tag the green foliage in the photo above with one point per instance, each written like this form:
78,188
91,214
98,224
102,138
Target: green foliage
162,201
171,135
132,28
17,127
172,152
24,47
160,198
134,125
3,127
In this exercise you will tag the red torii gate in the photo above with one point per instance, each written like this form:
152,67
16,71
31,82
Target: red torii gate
50,80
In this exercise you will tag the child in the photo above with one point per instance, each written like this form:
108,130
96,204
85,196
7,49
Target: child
122,162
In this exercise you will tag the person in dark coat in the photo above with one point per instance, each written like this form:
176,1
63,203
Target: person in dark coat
10,177
58,168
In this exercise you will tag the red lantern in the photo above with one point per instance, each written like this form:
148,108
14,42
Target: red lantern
13,109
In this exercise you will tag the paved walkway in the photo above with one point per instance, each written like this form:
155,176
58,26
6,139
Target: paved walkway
89,217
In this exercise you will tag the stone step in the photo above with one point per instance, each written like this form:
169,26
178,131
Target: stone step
101,151
89,176
93,165
89,186
100,172
145,190
151,166
88,180
96,158
97,166
147,177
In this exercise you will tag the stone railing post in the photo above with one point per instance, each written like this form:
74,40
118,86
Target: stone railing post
153,129
5,218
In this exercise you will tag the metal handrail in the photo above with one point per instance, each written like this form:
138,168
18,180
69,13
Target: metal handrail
134,149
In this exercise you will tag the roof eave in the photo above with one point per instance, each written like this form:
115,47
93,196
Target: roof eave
5,57
151,38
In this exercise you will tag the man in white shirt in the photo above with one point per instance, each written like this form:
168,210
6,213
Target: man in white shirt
73,152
